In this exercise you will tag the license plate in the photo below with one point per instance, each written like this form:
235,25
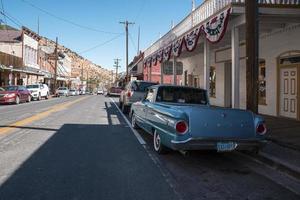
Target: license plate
226,146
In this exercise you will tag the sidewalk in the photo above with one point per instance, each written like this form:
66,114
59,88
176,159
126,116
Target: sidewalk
283,150
284,132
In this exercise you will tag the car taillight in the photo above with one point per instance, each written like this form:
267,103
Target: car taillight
181,127
129,93
261,129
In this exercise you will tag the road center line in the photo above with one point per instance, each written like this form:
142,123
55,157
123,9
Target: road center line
137,135
38,116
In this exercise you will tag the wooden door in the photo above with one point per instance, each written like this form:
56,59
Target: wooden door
288,92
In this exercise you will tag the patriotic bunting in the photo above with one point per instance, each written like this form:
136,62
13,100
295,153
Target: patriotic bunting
177,47
216,27
167,53
214,31
149,62
154,59
160,56
191,39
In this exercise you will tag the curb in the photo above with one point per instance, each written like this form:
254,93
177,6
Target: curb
277,164
284,144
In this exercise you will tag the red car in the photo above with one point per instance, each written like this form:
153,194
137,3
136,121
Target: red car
14,94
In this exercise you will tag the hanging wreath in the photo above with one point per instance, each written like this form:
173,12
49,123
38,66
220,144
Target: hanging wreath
191,39
216,27
160,56
167,53
177,47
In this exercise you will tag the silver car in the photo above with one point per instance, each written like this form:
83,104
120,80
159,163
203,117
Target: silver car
133,92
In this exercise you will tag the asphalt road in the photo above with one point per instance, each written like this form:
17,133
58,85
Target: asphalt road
82,148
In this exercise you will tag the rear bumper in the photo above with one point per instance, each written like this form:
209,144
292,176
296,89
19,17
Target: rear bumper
114,94
197,144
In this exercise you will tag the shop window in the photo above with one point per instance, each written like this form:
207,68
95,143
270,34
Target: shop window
212,82
168,68
262,83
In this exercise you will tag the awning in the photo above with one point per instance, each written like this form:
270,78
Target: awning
25,70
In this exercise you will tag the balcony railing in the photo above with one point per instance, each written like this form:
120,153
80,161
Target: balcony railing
207,9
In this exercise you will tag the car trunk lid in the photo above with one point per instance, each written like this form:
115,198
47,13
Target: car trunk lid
208,122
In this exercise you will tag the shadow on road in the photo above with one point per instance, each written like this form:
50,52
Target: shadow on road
82,161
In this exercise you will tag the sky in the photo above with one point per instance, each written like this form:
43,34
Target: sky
91,27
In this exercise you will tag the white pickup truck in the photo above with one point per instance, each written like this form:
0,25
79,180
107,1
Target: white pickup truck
38,91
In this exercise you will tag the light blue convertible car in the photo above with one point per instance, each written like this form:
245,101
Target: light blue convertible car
180,118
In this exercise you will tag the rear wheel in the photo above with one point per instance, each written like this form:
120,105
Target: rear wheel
157,144
133,121
17,100
47,96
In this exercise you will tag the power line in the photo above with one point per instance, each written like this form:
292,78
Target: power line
99,45
68,21
11,18
132,42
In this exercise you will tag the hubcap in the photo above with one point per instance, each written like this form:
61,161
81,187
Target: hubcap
156,141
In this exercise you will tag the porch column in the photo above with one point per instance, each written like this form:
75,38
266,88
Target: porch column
174,71
206,65
235,57
161,73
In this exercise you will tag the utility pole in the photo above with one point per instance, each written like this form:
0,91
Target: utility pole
126,30
55,64
252,30
117,66
138,47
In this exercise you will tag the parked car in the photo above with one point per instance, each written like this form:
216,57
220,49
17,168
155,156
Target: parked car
38,91
134,91
14,94
114,91
62,91
180,118
72,92
100,92
82,92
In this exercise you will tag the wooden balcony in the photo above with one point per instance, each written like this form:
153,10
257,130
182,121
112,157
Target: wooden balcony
206,10
10,60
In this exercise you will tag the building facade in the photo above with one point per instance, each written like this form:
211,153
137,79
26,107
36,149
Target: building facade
210,45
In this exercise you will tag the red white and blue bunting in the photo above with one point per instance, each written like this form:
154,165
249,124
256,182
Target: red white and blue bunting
214,31
191,39
154,59
159,56
177,47
216,27
149,60
167,53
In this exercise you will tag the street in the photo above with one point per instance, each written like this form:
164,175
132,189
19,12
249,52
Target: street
82,148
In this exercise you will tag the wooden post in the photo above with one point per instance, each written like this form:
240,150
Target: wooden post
251,9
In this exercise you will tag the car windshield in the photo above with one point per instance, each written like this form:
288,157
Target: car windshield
141,86
32,86
62,88
181,95
11,88
72,90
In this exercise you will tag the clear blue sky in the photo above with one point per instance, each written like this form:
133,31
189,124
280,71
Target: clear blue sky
153,16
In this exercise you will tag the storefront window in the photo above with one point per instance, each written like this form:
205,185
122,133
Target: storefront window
212,82
262,83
